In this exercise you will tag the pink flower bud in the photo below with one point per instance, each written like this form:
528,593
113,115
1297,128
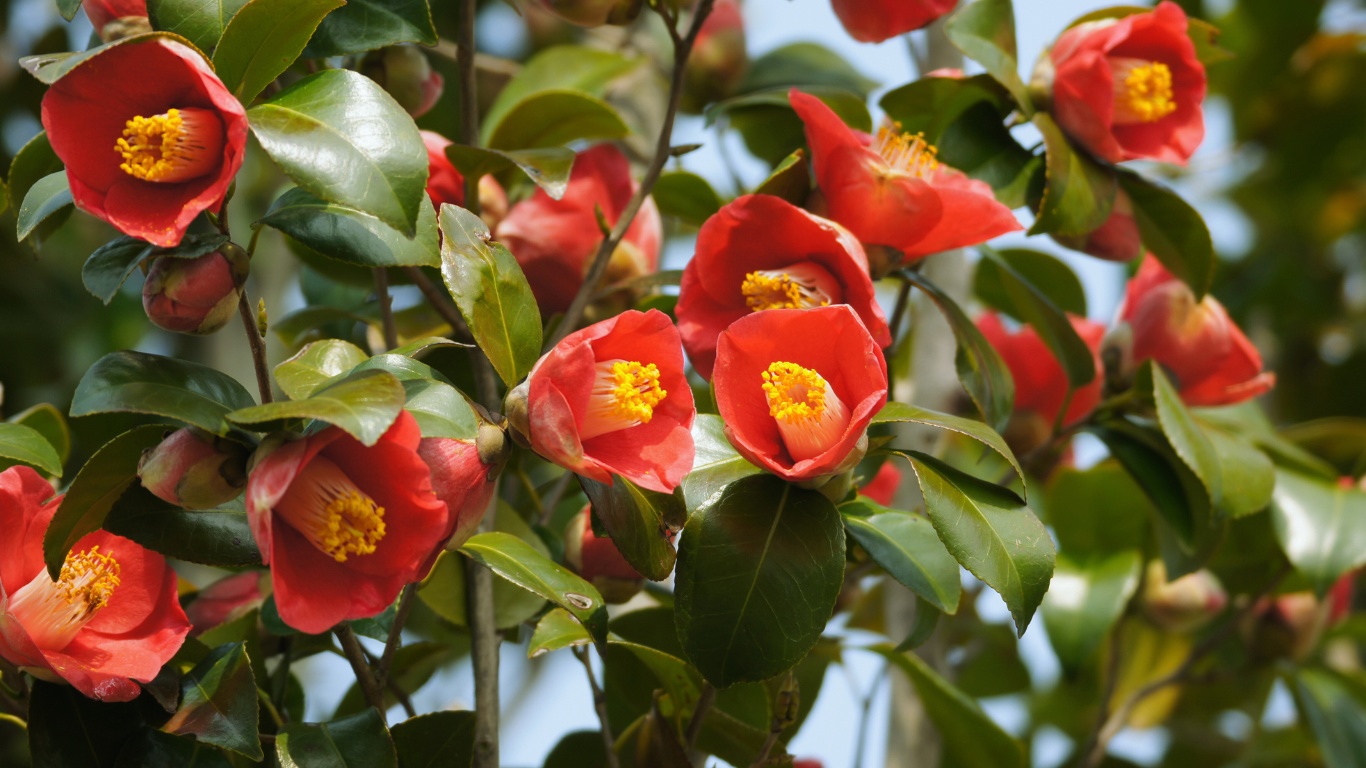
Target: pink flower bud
196,296
462,476
403,71
101,12
194,469
225,600
718,58
598,560
1183,605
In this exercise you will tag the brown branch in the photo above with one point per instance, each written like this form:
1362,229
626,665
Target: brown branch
258,348
600,705
699,714
365,676
386,308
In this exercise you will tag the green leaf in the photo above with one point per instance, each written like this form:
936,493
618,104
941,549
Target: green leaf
970,738
47,196
1320,525
561,67
557,629
981,371
907,547
1176,493
790,179
440,410
262,39
1072,498
679,680
894,411
549,167
1044,271
686,196
803,64
363,404
51,424
219,537
218,703
68,730
579,749
1086,598
436,740
200,21
1334,713
27,445
353,236
492,294
154,749
137,382
48,68
97,486
68,8
34,161
716,463
556,117
1173,231
759,568
1034,306
338,135
311,368
990,531
514,560
984,30
114,262
444,588
367,25
1079,193
360,741
639,522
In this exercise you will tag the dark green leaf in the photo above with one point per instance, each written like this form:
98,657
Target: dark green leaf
219,537
47,196
803,64
790,179
492,294
580,749
353,236
759,568
1033,305
1172,230
639,522
549,167
686,196
1073,498
1321,527
51,424
436,740
27,445
33,161
1334,714
990,531
1042,270
1176,493
137,382
557,629
367,25
311,368
360,741
901,412
262,39
338,135
1085,600
563,67
679,680
199,21
984,30
715,463
553,118
1079,193
514,560
68,730
154,749
218,703
907,547
363,404
114,262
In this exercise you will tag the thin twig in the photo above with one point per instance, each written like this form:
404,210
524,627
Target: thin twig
365,676
386,308
405,607
279,687
767,748
270,708
1110,682
866,709
599,704
552,499
903,300
258,348
440,302
699,714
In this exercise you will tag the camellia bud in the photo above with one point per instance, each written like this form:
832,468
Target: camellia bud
598,560
1291,625
1183,605
405,73
196,296
718,58
1115,240
594,13
225,600
463,472
194,469
515,411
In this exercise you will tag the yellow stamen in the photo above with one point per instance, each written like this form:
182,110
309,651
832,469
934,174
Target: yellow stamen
904,152
799,286
1143,90
810,416
53,612
180,145
337,517
625,394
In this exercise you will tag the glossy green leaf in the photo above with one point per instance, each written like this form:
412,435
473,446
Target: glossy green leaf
679,680
219,537
549,167
1172,231
200,21
359,741
51,424
895,412
68,730
907,547
51,67
970,738
1086,598
154,749
97,486
363,404
27,445
440,410
1176,493
1334,713
1034,306
563,67
444,588
639,522
1320,525
790,179
984,30
312,367
31,163
353,236
262,39
981,371
554,118
492,294
514,560
1079,193
367,25
716,463
686,196
137,382
114,262
556,630
759,568
990,531
436,740
338,135
1044,271
218,703
47,196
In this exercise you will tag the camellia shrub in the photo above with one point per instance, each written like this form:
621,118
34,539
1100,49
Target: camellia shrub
411,381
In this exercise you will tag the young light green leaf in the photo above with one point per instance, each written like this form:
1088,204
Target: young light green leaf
200,21
51,424
686,196
311,368
514,560
1320,525
553,118
262,39
907,547
571,67
363,404
28,446
549,167
557,629
984,30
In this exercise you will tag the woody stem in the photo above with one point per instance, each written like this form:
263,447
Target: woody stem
258,348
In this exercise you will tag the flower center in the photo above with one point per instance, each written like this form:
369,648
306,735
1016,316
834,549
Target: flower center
331,512
53,612
625,393
810,416
798,286
1143,91
904,152
181,145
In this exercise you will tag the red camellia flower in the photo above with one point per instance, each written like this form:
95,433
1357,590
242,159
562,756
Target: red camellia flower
102,12
1197,343
445,184
797,388
109,621
597,559
1130,88
555,240
890,190
882,488
761,252
1040,382
146,154
344,526
872,21
463,481
612,399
